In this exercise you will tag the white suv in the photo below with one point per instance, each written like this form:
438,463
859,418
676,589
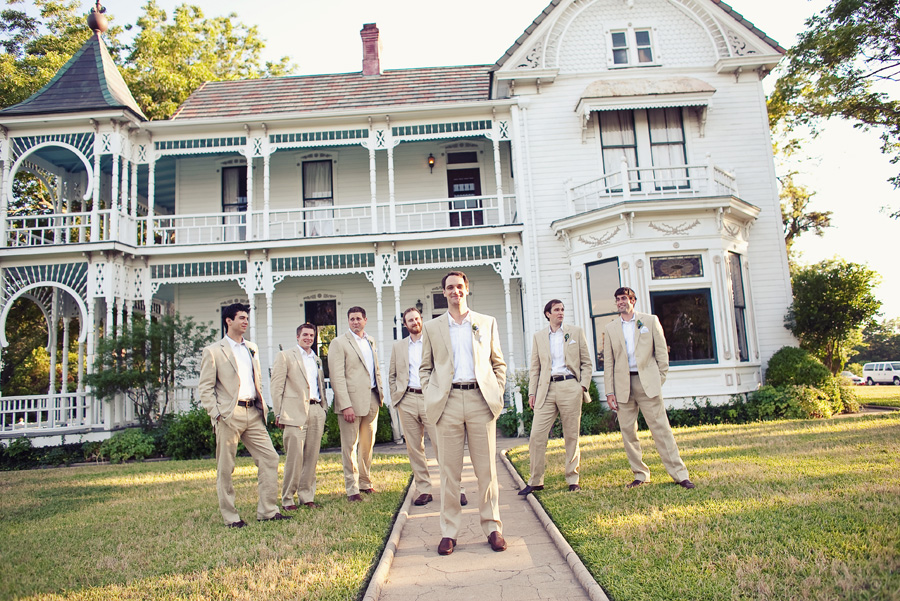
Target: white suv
886,372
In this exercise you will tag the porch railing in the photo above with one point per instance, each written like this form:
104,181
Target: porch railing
649,183
56,228
41,412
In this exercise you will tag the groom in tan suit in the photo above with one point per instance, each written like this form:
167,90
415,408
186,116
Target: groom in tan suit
558,382
636,361
230,391
298,392
356,382
463,376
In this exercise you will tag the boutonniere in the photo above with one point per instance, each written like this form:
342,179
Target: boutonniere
474,329
566,338
252,352
640,324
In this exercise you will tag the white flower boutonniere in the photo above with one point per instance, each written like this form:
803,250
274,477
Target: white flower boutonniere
476,332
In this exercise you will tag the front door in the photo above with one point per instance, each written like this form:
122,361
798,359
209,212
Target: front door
462,183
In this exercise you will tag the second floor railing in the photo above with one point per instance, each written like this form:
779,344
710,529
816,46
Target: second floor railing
56,228
649,183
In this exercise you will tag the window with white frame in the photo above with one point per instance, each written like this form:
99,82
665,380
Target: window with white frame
318,192
645,137
631,47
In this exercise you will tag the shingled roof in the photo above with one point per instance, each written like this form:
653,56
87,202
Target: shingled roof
399,87
89,81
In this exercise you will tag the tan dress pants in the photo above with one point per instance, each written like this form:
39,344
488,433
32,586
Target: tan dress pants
563,398
246,425
301,450
654,412
361,434
467,415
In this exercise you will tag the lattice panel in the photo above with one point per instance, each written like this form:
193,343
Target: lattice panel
208,271
73,275
470,254
347,262
84,142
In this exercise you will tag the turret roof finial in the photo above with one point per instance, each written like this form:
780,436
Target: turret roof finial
97,19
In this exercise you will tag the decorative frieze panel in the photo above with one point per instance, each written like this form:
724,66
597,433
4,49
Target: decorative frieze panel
739,46
200,145
83,143
442,130
533,58
323,264
461,254
681,229
333,137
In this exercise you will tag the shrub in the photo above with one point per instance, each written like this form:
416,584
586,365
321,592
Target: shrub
332,436
384,433
132,443
797,367
808,402
849,399
190,435
17,454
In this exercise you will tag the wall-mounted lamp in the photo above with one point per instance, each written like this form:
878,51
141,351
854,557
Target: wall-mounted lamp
431,162
419,306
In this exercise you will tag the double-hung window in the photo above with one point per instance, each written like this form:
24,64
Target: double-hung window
644,137
318,192
631,47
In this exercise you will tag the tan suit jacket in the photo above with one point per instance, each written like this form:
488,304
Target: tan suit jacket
290,387
350,379
436,372
650,353
577,356
219,381
398,373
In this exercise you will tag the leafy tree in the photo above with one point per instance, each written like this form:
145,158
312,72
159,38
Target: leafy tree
166,61
795,213
880,341
147,364
849,54
832,300
171,59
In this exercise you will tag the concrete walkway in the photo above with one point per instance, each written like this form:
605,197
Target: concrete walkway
533,567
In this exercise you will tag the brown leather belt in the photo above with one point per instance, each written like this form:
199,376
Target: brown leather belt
561,378
465,385
313,401
247,403
416,390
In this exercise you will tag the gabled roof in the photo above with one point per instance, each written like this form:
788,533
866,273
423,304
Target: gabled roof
554,3
400,87
89,81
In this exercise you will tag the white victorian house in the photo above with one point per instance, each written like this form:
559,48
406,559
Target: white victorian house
616,142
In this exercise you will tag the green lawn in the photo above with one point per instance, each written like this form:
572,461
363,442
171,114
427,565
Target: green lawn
153,531
887,396
782,510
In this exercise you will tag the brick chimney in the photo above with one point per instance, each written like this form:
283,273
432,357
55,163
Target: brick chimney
371,48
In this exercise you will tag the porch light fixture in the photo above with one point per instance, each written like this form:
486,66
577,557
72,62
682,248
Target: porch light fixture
431,162
419,305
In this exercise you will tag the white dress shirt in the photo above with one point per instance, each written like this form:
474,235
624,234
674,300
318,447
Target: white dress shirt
245,369
312,372
628,332
368,356
415,360
558,354
463,349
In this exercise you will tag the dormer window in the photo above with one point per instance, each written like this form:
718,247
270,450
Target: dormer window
631,47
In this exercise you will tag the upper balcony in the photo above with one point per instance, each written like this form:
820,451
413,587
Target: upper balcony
652,183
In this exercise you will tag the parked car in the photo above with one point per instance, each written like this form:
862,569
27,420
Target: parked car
853,377
884,372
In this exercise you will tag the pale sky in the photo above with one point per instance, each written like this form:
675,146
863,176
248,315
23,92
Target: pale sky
846,168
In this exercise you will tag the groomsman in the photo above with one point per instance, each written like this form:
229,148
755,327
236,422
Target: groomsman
356,382
558,384
406,394
463,377
298,392
230,391
636,361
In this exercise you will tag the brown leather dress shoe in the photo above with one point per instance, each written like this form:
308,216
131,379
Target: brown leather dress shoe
312,505
290,508
686,484
356,497
423,499
277,516
530,489
634,484
463,500
237,524
368,491
446,546
574,487
496,541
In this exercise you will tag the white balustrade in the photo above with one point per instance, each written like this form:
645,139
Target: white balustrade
648,183
56,228
37,412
